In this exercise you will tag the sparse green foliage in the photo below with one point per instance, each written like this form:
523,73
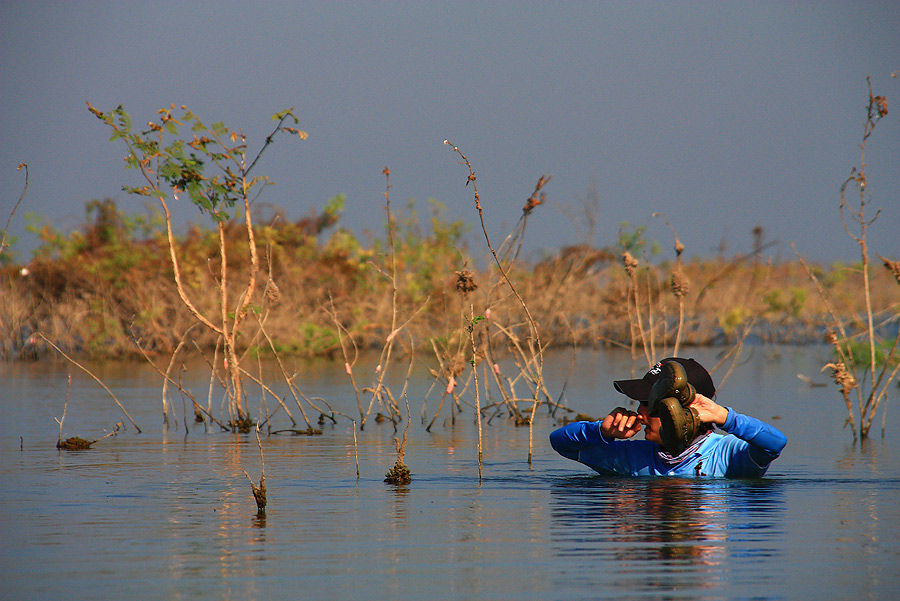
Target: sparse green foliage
54,244
733,319
632,239
212,166
424,254
789,301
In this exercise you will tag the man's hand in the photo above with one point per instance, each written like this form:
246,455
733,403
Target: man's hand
708,410
621,423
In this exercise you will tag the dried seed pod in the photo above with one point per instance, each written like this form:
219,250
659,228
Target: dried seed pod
843,378
893,267
465,282
630,262
272,292
679,283
880,103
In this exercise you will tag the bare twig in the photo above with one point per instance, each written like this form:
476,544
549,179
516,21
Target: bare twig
65,408
15,207
503,272
98,380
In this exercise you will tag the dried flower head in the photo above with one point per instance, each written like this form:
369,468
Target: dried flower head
272,293
880,103
630,262
842,377
893,267
465,282
679,283
533,202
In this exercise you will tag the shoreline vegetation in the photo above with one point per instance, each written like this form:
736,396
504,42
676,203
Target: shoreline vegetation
106,290
252,283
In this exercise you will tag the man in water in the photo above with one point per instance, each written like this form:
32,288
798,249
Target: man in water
678,415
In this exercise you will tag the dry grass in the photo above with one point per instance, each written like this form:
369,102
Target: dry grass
580,296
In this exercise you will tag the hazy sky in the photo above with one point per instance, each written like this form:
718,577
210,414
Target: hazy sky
720,115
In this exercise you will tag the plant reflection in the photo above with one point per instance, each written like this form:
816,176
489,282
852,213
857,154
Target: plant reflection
401,516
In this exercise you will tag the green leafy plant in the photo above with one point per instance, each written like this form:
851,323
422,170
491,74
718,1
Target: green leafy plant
182,156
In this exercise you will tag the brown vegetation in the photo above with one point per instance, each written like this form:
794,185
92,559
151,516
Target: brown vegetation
866,364
102,295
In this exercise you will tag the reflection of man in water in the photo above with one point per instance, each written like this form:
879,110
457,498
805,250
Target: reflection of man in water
660,538
680,519
676,406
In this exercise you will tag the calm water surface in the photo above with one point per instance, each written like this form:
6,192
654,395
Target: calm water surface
166,514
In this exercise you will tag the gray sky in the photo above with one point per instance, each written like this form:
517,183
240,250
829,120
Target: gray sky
721,116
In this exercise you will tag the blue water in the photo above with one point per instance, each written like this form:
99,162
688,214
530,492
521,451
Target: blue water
166,514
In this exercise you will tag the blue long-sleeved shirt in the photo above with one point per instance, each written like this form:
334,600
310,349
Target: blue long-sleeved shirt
744,452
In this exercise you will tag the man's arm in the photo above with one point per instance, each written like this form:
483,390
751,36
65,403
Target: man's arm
569,440
572,438
766,442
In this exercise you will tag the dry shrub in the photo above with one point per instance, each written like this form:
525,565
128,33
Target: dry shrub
98,302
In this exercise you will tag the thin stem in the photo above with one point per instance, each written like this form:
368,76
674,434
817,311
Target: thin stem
98,380
531,322
471,330
16,207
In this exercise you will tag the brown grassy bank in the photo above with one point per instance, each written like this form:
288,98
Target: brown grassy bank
100,289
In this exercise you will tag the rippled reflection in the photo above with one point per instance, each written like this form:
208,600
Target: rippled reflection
664,533
167,515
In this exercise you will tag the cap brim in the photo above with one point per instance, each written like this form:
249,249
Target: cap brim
639,390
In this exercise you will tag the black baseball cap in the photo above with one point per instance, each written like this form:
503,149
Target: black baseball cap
639,390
